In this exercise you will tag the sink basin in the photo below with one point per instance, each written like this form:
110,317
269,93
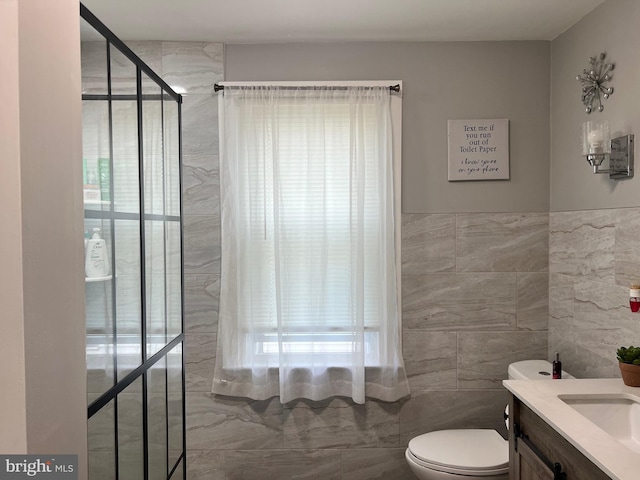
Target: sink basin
616,414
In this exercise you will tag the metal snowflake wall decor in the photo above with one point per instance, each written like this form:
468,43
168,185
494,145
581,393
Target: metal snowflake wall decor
593,83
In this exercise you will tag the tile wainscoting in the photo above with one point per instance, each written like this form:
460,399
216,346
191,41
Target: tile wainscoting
594,256
474,300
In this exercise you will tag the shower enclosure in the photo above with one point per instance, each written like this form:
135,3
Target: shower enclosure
131,174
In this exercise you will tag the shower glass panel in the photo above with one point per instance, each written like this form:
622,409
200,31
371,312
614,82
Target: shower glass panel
126,177
96,154
157,418
134,288
156,255
175,407
171,154
128,299
153,151
173,292
123,74
131,432
100,339
93,51
101,444
178,472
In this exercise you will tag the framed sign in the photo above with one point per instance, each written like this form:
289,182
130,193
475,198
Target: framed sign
478,149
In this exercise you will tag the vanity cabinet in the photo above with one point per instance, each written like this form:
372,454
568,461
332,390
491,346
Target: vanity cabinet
537,451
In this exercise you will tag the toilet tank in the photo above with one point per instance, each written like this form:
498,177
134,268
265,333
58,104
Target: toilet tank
532,370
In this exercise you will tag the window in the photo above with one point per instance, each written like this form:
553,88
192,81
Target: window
309,297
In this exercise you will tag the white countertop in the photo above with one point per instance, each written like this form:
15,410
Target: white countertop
606,452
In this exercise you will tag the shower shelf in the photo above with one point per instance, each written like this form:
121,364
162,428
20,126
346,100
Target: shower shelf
97,279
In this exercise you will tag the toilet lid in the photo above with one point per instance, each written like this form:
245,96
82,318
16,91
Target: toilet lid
469,449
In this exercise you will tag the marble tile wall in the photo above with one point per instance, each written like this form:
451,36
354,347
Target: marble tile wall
475,299
481,312
594,256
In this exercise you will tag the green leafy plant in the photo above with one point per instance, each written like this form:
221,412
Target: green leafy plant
629,355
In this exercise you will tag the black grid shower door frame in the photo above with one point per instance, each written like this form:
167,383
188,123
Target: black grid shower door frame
111,216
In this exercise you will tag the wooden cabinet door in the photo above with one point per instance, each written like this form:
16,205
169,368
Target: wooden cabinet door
530,466
536,449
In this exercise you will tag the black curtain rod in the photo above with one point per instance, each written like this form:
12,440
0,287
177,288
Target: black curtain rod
393,88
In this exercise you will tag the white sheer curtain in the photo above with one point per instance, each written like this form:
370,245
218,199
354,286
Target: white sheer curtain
308,304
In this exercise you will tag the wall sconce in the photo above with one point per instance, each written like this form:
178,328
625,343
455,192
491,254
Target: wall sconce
597,146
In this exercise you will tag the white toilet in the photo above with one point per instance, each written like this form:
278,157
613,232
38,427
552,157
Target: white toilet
470,454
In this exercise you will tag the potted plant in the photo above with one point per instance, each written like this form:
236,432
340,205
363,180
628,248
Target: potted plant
629,358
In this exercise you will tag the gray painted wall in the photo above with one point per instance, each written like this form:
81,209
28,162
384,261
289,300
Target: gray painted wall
449,80
611,28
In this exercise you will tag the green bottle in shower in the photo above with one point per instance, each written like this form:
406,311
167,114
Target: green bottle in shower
104,178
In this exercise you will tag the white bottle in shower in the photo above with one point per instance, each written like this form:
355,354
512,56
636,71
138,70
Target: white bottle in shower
96,262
